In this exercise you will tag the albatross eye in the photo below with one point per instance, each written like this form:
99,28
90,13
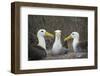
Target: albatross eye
42,31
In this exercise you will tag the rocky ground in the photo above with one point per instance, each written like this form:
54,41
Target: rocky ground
69,55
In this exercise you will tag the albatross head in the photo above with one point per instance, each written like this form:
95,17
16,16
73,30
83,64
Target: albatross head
58,33
41,41
43,32
74,35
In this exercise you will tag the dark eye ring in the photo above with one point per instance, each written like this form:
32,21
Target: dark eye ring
41,31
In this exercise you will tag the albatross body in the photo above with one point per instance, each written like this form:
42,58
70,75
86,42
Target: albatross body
39,51
77,46
57,46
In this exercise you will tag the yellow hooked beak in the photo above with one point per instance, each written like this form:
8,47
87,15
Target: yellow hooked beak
49,34
67,38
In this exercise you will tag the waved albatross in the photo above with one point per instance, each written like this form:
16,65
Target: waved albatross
57,48
38,52
78,46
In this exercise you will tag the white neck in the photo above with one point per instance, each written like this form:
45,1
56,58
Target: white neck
41,41
57,43
75,42
58,39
